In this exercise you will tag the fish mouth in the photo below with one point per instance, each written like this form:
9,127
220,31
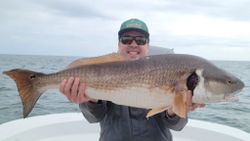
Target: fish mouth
232,97
235,95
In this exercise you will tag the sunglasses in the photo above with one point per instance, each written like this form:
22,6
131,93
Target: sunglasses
127,40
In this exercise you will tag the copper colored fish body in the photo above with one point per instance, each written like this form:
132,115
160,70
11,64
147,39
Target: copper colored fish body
155,82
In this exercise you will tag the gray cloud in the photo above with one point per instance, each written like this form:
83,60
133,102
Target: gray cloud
77,8
231,9
68,24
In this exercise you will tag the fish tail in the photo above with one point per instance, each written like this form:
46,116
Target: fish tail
27,88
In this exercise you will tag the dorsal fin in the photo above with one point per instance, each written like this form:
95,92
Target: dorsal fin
112,57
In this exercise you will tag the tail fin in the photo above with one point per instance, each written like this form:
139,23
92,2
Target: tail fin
27,89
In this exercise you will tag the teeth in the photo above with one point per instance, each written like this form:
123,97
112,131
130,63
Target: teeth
133,52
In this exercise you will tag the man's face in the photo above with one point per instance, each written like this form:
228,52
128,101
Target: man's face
135,49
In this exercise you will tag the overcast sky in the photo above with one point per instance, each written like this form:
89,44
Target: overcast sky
218,30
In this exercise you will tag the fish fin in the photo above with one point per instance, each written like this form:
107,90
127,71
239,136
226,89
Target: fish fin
28,92
180,98
112,57
155,111
180,104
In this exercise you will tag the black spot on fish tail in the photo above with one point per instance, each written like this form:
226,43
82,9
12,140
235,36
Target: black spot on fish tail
192,81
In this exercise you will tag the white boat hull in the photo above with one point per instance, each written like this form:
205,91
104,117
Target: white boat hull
72,126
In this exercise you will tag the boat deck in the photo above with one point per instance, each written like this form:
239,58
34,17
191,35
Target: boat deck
72,126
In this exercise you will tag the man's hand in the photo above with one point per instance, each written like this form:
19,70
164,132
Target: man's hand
74,90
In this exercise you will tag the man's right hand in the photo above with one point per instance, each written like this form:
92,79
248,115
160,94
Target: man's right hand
74,90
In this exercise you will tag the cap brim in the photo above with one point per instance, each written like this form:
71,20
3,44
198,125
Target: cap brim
133,29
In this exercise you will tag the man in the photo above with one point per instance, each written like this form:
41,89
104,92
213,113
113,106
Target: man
122,123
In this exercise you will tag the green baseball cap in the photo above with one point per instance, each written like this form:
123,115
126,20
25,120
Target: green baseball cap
134,24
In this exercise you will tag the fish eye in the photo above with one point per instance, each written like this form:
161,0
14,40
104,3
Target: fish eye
230,82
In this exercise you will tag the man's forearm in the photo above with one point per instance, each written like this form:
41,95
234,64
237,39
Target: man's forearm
173,121
176,123
93,111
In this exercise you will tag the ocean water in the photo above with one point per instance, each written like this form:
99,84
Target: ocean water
234,114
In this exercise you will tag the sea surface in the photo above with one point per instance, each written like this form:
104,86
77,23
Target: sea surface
234,114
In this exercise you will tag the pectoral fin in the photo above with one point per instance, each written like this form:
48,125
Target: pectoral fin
113,57
180,104
155,111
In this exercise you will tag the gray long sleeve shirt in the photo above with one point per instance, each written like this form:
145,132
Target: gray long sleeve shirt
122,123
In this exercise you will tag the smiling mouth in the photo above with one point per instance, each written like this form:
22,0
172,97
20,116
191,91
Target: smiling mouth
133,52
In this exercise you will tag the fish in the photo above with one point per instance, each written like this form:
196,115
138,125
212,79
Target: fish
156,83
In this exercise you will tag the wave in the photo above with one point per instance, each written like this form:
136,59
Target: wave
6,89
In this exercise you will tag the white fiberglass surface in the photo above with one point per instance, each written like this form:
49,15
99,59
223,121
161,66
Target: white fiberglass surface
72,126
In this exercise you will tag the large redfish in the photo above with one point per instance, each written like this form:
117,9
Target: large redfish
154,82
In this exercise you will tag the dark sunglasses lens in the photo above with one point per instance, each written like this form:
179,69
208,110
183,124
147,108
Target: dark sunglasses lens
129,39
126,40
140,41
